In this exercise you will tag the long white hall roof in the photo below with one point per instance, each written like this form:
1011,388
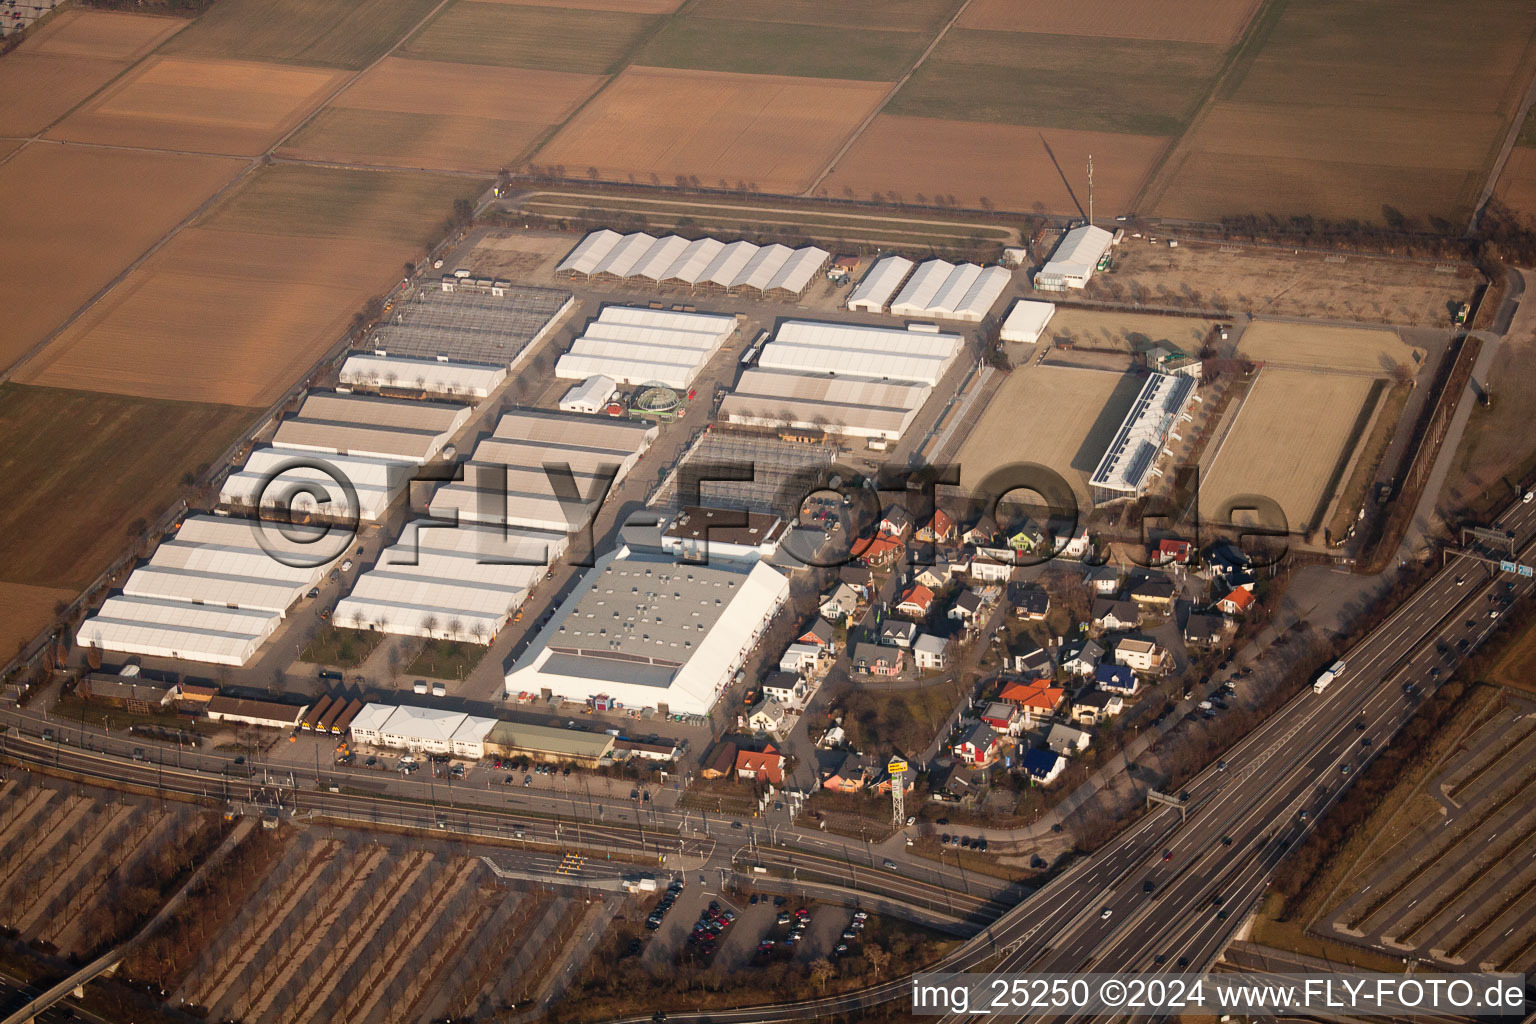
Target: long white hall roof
633,345
269,473
672,258
951,291
433,376
874,292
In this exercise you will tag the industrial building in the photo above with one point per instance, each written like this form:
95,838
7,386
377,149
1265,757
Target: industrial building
434,731
951,291
634,345
1026,321
782,473
512,477
495,326
450,582
1073,263
440,376
212,593
1127,467
842,378
308,483
544,743
589,397
644,631
873,295
702,534
378,428
264,713
769,271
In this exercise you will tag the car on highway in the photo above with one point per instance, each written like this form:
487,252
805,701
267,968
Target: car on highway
890,865
1167,855
1226,840
1106,914
1221,766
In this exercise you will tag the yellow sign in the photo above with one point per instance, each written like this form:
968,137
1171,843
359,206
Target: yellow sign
897,766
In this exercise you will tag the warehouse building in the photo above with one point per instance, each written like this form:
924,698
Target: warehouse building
590,396
212,593
768,271
951,291
307,483
701,534
1026,321
550,745
495,326
377,428
1073,263
450,582
263,713
644,631
506,482
782,473
441,376
430,730
1128,466
874,293
634,345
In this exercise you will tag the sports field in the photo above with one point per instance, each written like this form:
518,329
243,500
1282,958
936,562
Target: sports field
659,124
1007,166
1352,108
1126,332
329,33
1274,452
1310,346
528,36
1190,21
71,218
1061,417
200,105
86,466
396,115
760,47
68,59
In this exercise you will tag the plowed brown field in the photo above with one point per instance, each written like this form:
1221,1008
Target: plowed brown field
24,611
771,130
1190,21
630,6
208,106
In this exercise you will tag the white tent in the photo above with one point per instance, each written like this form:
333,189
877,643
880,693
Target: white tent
279,477
431,376
1026,321
875,291
590,396
1073,263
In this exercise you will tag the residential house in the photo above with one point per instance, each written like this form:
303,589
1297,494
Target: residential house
720,762
1170,551
936,576
1082,657
896,521
1224,558
785,687
1104,580
1236,603
766,764
1043,766
1110,614
877,660
1066,741
1154,595
898,633
930,651
1141,655
858,578
770,716
1117,679
845,773
820,634
879,552
841,603
978,746
983,534
916,603
1096,706
1035,664
1029,600
1076,546
986,569
1004,718
967,607
1027,537
1206,629
1036,699
938,530
800,658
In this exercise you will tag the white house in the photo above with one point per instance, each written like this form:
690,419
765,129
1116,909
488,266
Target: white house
929,651
784,687
839,604
1140,655
1066,741
1084,659
800,658
769,717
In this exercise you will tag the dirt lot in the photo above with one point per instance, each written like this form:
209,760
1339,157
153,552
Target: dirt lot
1204,21
60,532
1278,283
211,106
75,217
1393,110
529,36
24,611
1125,332
1310,346
660,124
1060,417
395,115
330,33
1273,453
1007,166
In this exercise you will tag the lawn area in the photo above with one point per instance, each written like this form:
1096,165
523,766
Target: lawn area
1136,87
342,647
88,467
328,202
332,33
782,48
446,659
518,36
898,720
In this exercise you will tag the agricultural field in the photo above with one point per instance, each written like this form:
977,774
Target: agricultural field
348,34
926,16
1061,417
773,133
1376,111
1517,184
1013,167
781,47
75,217
200,105
1126,332
68,517
543,38
626,6
1203,21
397,114
68,59
25,611
1310,346
1295,461
1517,667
